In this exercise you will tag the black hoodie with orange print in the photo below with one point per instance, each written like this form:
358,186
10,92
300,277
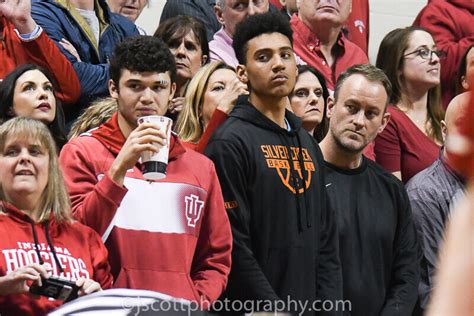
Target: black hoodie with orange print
285,240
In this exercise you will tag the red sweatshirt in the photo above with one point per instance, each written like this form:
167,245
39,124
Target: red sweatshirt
41,51
451,22
78,248
172,235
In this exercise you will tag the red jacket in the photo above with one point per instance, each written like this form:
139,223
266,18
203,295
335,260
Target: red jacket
306,46
41,51
172,235
451,22
78,248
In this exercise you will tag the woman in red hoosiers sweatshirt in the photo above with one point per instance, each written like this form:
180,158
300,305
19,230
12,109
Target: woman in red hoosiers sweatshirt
38,238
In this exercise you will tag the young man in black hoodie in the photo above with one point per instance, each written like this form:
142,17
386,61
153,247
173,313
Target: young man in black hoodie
285,249
378,247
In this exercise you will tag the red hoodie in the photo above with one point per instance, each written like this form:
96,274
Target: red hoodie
172,235
451,22
41,51
75,247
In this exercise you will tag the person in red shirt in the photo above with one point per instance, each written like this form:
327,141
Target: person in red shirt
318,39
23,42
412,138
451,22
38,236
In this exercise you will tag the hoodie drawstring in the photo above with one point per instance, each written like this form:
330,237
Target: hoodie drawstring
309,217
294,184
35,237
50,244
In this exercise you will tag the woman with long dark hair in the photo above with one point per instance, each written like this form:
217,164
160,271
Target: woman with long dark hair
29,91
411,141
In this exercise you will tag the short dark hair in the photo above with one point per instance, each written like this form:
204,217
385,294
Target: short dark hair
7,91
142,54
179,26
369,72
256,25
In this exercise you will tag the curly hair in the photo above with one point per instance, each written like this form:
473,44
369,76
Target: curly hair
256,25
99,112
142,54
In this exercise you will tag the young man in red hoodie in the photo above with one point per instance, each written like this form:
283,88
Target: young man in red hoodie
170,235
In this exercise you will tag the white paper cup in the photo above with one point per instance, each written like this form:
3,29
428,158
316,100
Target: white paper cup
154,164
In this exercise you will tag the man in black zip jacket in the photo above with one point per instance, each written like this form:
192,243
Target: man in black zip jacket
285,249
378,247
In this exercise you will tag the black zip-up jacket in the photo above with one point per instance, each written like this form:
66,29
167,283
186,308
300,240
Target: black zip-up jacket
285,239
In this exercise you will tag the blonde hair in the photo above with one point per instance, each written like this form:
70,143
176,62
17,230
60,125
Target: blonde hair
54,197
95,115
189,125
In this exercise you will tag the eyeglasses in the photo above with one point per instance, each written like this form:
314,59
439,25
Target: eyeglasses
427,54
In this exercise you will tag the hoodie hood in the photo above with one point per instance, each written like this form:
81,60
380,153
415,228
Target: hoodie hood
107,134
244,110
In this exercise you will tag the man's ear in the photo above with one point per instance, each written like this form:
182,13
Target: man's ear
385,119
241,71
219,16
113,89
330,107
444,130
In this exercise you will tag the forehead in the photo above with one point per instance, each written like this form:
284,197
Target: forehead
186,34
359,89
420,38
268,41
222,75
32,75
307,78
21,138
144,77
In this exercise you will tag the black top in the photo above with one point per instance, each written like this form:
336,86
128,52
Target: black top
378,246
285,239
